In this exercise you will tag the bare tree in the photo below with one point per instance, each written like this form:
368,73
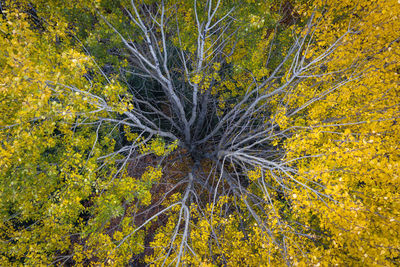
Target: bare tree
232,140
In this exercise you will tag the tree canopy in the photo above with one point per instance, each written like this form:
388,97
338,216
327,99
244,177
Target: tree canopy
200,133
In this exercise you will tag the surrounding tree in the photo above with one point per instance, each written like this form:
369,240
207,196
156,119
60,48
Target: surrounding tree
204,133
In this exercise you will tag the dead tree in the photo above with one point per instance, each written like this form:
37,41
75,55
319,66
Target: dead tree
233,141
